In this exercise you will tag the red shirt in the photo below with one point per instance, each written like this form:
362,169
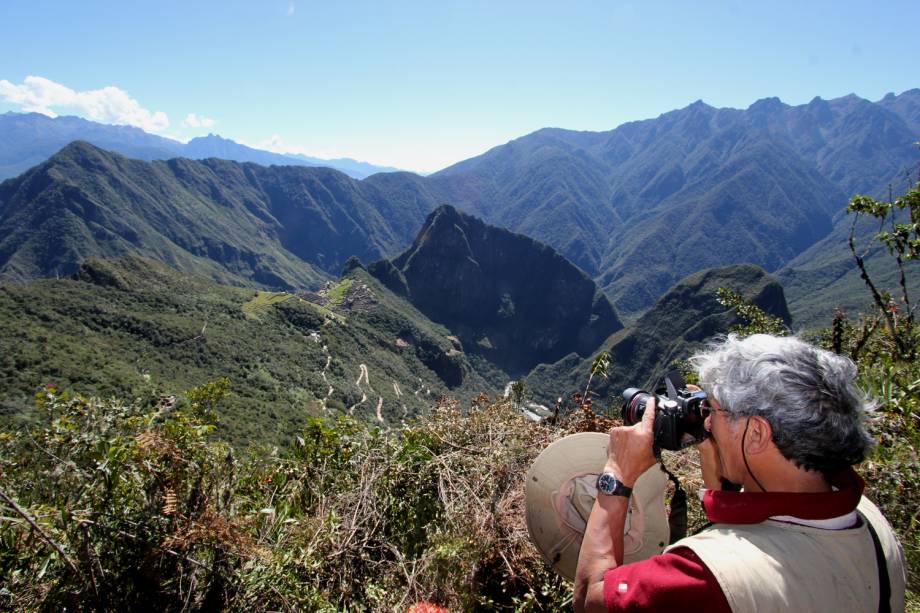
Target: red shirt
679,580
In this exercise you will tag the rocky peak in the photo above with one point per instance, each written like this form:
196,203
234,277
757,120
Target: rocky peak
505,296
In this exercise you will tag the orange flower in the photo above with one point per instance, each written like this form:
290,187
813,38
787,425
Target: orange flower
426,607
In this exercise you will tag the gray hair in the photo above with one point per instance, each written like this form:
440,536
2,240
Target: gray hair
806,394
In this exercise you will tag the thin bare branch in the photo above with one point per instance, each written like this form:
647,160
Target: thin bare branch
876,295
38,529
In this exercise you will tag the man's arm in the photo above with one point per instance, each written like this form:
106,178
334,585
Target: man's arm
601,550
629,454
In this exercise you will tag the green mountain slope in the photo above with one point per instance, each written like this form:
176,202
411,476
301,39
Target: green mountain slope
763,206
637,208
283,227
134,327
681,321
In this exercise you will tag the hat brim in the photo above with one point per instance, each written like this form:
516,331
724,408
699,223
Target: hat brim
575,456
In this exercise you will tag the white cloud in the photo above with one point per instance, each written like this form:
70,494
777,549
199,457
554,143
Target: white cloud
107,105
276,144
197,121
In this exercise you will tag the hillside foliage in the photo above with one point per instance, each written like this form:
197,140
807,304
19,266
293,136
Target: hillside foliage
133,328
108,506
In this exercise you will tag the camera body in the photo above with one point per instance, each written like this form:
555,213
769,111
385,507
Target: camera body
678,416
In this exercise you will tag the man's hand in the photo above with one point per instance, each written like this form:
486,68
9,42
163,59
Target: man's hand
629,450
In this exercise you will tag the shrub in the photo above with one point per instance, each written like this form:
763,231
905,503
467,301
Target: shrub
129,507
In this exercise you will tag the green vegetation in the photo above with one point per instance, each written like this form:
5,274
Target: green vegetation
885,344
682,320
259,305
133,328
880,237
518,392
275,227
337,292
111,506
901,237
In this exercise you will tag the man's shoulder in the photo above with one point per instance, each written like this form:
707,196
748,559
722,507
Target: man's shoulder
665,582
796,552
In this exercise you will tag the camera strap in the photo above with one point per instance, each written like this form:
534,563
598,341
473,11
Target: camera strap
677,518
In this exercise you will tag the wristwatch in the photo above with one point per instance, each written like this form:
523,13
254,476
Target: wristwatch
607,483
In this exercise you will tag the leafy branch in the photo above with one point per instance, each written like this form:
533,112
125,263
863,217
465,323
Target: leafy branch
757,321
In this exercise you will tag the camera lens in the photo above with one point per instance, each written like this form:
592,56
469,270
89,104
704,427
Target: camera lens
634,401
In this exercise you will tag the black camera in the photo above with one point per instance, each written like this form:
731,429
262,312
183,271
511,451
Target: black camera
678,415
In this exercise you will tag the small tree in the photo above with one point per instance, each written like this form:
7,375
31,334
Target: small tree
599,367
518,389
899,232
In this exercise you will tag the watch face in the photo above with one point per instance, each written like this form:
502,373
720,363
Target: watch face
607,483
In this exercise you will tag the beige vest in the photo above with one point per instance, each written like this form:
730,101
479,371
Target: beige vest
776,566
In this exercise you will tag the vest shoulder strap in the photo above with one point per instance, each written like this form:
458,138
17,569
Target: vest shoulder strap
884,581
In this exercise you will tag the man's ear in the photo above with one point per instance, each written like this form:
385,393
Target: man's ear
759,436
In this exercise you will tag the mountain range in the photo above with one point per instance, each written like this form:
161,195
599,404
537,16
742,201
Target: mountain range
283,227
134,327
27,139
636,208
651,201
464,308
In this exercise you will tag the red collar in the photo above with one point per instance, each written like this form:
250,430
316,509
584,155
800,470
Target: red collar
724,507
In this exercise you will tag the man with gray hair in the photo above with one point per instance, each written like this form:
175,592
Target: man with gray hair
786,423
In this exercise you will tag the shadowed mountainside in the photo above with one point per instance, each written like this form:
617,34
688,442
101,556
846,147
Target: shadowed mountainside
507,297
681,321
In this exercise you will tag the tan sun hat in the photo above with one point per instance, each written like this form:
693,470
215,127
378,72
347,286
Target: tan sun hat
560,493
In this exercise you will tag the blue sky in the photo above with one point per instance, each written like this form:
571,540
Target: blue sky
423,84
